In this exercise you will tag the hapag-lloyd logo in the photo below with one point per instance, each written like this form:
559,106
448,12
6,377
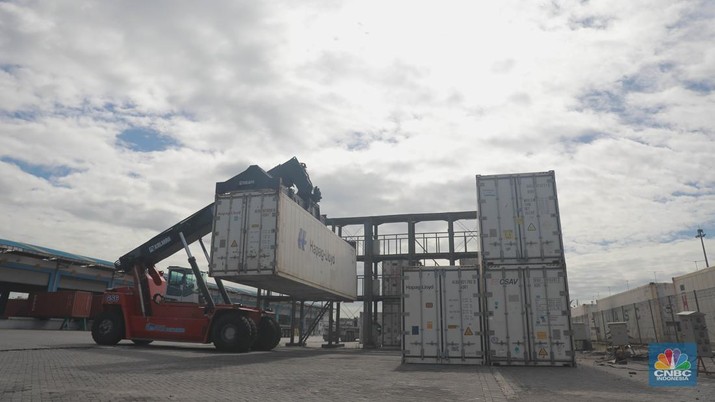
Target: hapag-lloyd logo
670,364
301,239
318,252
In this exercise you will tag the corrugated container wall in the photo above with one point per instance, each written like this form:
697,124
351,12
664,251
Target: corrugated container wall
391,324
528,317
62,304
518,216
696,292
442,316
582,314
264,239
392,277
647,310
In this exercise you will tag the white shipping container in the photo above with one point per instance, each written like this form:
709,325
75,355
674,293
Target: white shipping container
688,287
391,323
648,311
528,316
651,291
264,239
392,277
696,292
441,316
582,314
518,217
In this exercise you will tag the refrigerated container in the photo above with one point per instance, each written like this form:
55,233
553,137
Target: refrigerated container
441,316
696,292
528,317
264,239
391,323
392,277
649,312
518,218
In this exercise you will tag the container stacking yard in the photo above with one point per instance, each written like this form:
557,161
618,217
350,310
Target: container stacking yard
513,310
524,270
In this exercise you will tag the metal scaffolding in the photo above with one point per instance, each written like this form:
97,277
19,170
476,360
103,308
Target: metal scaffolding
373,248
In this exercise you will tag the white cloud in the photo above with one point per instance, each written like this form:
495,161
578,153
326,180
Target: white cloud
394,107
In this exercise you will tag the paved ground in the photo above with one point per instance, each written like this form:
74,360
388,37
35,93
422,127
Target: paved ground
66,365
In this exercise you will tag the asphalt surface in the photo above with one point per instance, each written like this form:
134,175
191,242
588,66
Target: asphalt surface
39,365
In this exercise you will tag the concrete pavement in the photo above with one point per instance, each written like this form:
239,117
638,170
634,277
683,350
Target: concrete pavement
66,365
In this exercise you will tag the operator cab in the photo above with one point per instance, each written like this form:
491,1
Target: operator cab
181,286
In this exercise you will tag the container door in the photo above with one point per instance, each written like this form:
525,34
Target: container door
506,308
260,232
269,226
552,342
519,218
391,323
227,242
462,335
421,343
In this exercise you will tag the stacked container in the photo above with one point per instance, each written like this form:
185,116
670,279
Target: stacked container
522,263
441,319
391,304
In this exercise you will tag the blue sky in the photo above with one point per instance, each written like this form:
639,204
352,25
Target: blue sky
117,120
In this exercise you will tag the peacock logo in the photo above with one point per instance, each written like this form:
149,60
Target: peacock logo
672,359
672,364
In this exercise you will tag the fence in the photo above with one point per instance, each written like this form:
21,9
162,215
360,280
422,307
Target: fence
431,242
650,321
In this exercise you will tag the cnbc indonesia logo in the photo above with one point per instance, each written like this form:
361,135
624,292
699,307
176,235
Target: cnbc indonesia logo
671,367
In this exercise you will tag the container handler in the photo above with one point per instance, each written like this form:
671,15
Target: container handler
153,309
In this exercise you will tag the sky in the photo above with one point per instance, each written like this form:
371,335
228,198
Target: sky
118,118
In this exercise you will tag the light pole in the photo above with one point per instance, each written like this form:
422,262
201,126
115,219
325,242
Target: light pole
700,236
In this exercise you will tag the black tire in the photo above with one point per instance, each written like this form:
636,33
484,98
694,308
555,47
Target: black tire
108,328
254,330
142,342
269,334
279,331
232,333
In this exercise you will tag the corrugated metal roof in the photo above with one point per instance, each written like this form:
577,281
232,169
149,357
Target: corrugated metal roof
48,252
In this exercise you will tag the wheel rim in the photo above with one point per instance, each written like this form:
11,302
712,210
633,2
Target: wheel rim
105,326
229,333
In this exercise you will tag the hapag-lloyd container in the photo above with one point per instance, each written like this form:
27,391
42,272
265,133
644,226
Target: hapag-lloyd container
441,316
264,239
518,217
528,316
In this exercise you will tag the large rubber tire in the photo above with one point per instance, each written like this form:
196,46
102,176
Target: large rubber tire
254,331
108,328
232,333
269,334
142,342
279,331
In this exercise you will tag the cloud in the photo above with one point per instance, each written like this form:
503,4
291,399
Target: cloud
116,121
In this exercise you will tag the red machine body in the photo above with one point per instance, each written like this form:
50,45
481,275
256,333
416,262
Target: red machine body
156,310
